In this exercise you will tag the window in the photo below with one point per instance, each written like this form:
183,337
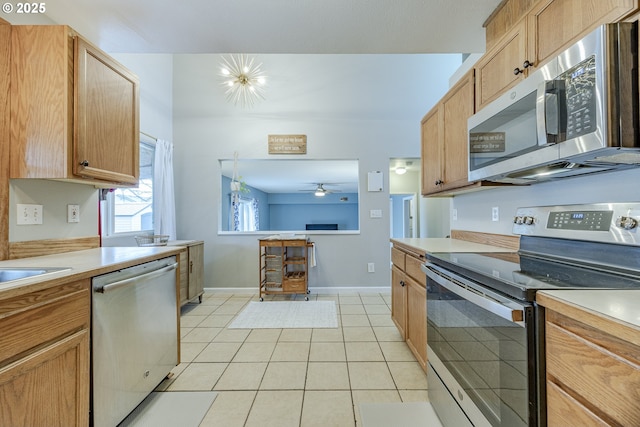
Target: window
246,215
131,209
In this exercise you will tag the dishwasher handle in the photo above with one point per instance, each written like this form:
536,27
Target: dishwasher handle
128,282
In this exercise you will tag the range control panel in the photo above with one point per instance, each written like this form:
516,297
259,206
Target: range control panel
580,220
603,222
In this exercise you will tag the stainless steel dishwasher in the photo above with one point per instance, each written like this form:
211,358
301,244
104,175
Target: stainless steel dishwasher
134,337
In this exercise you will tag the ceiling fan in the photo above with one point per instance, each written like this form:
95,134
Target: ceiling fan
320,191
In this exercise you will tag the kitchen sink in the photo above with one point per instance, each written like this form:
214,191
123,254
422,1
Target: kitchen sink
8,274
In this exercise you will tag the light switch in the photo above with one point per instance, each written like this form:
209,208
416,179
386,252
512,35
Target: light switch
375,213
29,214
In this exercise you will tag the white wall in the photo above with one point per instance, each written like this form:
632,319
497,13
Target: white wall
54,196
365,107
474,209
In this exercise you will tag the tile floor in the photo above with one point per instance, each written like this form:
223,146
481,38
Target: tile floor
295,377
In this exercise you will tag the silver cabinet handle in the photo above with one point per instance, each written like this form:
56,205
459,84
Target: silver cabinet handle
127,282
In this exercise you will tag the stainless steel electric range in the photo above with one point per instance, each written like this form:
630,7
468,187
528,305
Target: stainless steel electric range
485,332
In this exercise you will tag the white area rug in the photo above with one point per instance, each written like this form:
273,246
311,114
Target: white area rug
171,409
287,314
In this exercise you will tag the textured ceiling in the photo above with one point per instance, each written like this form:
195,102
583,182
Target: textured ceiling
278,26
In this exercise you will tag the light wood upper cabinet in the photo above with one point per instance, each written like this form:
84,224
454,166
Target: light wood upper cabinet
432,151
540,34
503,66
445,139
553,24
74,110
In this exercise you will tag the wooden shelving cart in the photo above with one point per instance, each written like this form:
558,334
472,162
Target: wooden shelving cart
284,266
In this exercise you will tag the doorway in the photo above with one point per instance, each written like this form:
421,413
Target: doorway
404,206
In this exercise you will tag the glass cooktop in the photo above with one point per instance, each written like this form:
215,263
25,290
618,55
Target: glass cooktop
520,276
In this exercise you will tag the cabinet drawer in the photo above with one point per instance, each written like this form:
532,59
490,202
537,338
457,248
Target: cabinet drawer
600,371
298,242
413,269
397,258
566,411
38,318
294,285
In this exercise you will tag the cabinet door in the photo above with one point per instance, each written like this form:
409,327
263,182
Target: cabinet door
554,24
196,270
106,144
49,387
495,70
398,300
431,152
41,101
417,320
457,107
184,277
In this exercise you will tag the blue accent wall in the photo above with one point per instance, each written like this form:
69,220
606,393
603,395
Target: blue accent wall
293,211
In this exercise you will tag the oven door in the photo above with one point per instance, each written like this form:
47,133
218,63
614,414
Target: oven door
481,346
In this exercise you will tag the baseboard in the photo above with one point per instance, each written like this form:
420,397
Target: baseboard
314,290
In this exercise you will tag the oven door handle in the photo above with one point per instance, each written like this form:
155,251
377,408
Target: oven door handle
502,307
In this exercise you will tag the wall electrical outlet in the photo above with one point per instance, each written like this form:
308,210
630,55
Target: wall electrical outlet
495,213
29,214
371,267
73,213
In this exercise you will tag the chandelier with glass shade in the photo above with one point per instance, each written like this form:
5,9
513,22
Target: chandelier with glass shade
243,79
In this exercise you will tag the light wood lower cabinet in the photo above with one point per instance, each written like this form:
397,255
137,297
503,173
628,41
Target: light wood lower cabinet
593,376
44,357
417,320
409,301
191,270
399,300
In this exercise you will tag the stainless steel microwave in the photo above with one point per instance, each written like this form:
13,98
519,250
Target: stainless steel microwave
576,114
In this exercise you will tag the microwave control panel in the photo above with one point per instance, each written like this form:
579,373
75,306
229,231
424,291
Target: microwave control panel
580,98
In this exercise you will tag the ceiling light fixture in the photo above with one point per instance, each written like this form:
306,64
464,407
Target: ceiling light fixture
401,170
320,191
243,79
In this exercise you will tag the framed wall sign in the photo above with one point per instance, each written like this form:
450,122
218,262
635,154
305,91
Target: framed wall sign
287,144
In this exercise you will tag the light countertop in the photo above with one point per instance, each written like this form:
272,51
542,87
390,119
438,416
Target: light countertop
82,265
621,305
435,244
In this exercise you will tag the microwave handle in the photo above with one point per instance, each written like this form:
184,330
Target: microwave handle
548,111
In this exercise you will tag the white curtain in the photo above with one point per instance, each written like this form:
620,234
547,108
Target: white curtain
164,209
